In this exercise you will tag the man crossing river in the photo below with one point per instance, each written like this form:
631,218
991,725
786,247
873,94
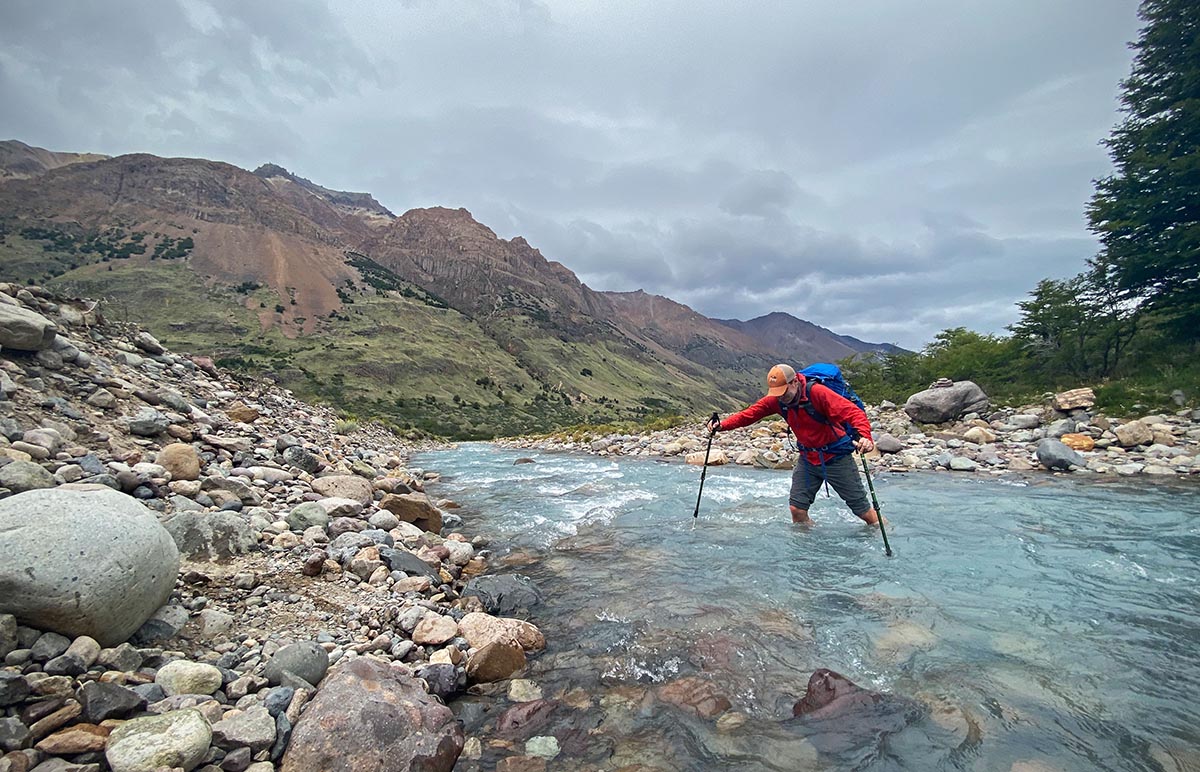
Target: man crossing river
828,429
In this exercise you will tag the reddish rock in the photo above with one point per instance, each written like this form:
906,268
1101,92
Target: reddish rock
368,716
81,738
829,692
526,719
414,508
695,695
496,661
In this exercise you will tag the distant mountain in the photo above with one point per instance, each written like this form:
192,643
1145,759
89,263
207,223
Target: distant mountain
428,319
800,342
21,161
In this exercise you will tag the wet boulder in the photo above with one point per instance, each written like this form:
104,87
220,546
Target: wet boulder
366,712
510,595
946,403
93,563
838,714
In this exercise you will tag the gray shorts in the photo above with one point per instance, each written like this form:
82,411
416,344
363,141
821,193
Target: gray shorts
843,477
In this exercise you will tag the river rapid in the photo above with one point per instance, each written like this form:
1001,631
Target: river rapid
1021,625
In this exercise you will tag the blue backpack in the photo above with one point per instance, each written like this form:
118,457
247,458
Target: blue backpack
830,376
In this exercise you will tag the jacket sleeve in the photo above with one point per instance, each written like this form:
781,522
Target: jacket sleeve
758,411
840,410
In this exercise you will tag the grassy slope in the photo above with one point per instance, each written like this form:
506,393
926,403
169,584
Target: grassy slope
385,355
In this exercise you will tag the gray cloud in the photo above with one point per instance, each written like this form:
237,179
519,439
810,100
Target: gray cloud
883,169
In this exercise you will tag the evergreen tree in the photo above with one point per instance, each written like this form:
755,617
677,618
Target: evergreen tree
1147,213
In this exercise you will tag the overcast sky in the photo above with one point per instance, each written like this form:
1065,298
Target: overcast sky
885,169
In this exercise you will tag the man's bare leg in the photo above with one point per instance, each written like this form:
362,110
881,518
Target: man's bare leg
870,517
801,515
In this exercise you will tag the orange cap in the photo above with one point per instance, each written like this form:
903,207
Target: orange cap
778,379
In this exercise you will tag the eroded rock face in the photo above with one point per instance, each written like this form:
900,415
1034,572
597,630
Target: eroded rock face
938,405
47,537
369,716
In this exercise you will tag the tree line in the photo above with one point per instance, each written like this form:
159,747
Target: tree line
1127,324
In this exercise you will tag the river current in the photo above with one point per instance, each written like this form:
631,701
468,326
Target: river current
1026,625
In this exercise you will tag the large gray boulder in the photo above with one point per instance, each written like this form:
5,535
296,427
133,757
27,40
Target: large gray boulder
1054,454
92,562
25,330
946,403
369,716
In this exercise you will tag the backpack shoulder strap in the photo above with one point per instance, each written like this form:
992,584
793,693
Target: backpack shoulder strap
815,414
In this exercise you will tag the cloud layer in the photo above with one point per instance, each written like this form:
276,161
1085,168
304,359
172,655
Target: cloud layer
883,169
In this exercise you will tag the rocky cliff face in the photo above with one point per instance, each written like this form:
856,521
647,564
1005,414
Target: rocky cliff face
361,205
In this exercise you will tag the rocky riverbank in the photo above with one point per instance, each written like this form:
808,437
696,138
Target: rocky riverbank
204,573
1065,434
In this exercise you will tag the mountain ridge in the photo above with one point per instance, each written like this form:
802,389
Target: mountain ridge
266,268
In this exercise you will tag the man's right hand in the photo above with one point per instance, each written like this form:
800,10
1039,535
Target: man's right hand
714,424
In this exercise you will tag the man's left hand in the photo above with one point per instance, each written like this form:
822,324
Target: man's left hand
864,445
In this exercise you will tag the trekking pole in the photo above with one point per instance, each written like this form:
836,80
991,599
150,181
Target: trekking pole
704,471
887,548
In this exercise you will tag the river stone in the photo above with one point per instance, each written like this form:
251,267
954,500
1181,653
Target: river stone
176,739
25,330
104,586
210,535
935,406
886,443
183,677
102,700
495,661
368,716
979,435
163,624
307,515
296,456
509,595
403,560
481,629
148,343
414,508
344,486
1082,442
253,728
434,629
963,464
22,476
305,659
1054,454
148,423
182,461
1134,433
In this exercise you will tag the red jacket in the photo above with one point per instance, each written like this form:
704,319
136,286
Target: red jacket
810,433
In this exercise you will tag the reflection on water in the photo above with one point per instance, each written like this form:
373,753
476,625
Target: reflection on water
1018,627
